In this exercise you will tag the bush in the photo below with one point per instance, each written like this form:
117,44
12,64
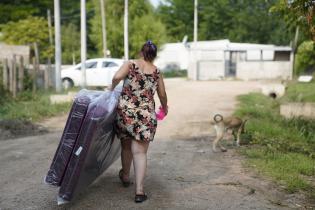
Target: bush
305,58
175,73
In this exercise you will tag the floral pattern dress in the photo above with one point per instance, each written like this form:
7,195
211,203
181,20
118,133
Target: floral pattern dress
136,117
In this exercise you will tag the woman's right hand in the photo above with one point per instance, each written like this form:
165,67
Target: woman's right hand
165,109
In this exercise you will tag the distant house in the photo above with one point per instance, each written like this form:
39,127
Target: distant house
207,60
172,56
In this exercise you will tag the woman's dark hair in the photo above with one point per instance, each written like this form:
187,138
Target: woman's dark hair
148,51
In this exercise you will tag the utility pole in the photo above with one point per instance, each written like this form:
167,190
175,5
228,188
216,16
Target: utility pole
57,45
48,70
103,27
49,27
126,31
196,21
83,44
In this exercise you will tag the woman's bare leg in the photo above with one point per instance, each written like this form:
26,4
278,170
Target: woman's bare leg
126,158
139,153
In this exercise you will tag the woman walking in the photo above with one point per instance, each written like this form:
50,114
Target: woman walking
136,118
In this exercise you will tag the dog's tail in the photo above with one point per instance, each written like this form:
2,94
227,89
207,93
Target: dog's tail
217,118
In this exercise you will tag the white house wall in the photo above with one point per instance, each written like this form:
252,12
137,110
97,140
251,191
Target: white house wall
264,70
208,70
174,54
206,65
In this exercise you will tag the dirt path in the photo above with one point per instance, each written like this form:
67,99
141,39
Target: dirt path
183,172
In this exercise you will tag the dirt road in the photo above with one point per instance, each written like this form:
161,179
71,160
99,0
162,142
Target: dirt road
183,172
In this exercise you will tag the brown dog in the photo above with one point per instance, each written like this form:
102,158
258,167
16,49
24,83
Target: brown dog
222,125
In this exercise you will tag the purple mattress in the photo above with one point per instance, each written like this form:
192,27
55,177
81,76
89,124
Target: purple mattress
71,131
96,147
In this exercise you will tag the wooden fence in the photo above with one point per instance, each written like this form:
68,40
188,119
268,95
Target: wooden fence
13,74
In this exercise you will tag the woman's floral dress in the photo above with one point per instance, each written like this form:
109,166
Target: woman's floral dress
136,117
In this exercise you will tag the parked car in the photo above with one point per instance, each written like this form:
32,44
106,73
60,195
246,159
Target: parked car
99,72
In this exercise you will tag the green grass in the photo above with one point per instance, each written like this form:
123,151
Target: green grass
288,169
300,92
175,73
280,148
29,107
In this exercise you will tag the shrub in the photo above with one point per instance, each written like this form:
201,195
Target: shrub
305,58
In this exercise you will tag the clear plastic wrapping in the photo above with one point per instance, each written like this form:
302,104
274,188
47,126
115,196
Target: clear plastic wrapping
70,134
94,149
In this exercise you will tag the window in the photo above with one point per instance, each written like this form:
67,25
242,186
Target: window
90,65
108,64
282,55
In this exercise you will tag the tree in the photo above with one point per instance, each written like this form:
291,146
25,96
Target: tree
239,21
21,9
140,29
305,57
298,13
178,16
28,31
70,43
146,28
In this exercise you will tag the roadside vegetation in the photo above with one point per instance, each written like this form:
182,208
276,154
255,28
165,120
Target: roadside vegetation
175,73
283,149
29,107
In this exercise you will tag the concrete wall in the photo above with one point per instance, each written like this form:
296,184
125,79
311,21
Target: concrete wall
206,65
172,55
264,70
208,70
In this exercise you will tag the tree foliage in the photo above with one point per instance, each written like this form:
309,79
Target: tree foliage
178,16
305,61
143,25
14,10
239,21
27,32
70,43
298,13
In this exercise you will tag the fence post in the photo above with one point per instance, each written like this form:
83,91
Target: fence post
10,75
34,75
5,74
49,73
14,86
21,74
46,77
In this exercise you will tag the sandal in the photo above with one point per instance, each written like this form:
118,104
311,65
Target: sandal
124,183
140,198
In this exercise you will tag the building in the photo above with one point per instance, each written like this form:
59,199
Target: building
220,59
173,56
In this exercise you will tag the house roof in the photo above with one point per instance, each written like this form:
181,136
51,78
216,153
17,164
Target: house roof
225,44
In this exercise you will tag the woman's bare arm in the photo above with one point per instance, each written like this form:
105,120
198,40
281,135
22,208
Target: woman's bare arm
120,74
162,93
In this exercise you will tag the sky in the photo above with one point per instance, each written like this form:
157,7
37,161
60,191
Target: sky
155,2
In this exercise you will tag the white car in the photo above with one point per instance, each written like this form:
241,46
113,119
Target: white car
99,72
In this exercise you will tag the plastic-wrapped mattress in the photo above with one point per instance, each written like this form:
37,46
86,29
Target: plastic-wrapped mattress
71,131
96,147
